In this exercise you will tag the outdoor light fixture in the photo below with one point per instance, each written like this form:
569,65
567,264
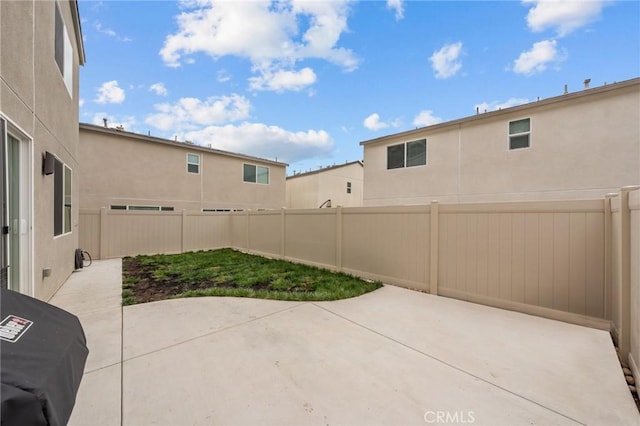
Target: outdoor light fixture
48,163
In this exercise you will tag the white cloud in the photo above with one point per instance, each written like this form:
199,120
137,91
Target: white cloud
272,35
496,105
110,93
81,102
126,122
538,58
564,16
445,62
190,113
398,6
109,32
426,118
223,76
282,80
264,141
373,122
159,89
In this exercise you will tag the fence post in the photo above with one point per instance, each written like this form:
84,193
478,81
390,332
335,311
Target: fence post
608,217
247,230
103,233
624,299
339,238
184,231
433,248
283,235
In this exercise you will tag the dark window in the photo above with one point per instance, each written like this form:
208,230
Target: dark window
255,174
395,156
348,187
193,163
417,153
411,154
519,133
61,198
59,40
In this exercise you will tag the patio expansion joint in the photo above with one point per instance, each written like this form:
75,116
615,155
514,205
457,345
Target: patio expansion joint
210,333
441,361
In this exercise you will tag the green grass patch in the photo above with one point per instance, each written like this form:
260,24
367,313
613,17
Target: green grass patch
227,272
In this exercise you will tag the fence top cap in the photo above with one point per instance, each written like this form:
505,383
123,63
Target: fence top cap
630,188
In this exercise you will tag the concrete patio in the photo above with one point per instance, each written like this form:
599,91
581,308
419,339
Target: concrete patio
393,356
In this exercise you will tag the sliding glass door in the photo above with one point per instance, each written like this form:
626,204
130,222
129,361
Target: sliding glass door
15,259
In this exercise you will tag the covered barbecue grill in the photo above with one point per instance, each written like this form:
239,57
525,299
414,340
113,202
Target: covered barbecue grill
43,353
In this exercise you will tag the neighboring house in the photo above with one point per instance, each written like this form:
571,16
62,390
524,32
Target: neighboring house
128,171
42,50
329,187
575,146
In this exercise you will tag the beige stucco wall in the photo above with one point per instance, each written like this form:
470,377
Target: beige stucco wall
35,102
310,190
583,145
121,168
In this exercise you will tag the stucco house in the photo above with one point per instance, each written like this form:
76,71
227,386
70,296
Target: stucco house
42,50
333,186
123,170
578,145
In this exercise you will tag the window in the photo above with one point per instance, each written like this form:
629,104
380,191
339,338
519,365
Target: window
255,174
142,208
193,163
61,198
411,154
348,187
63,51
519,133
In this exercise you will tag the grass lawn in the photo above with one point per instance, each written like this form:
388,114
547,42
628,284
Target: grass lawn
227,272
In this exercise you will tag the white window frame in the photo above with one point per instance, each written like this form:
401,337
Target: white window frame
191,163
405,154
528,134
66,67
66,200
256,166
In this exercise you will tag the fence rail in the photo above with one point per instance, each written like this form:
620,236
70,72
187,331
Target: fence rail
577,261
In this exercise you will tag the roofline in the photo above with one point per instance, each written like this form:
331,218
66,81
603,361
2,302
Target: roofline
75,15
313,172
487,115
183,145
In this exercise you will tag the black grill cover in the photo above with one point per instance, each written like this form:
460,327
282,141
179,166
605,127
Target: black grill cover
43,353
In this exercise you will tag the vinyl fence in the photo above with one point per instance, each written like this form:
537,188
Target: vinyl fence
576,261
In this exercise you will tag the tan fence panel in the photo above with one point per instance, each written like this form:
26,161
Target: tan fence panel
390,244
89,232
206,231
239,230
634,353
133,232
265,231
540,254
310,236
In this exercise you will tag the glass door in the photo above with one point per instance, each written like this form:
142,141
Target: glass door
4,216
16,213
14,220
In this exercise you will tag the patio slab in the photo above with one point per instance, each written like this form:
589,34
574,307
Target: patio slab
393,356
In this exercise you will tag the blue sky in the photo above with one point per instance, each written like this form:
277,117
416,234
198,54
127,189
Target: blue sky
306,81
